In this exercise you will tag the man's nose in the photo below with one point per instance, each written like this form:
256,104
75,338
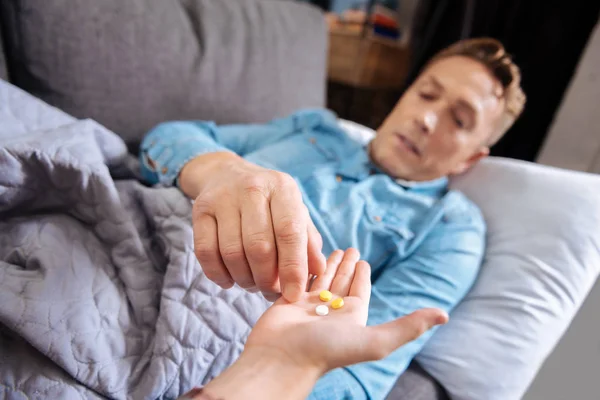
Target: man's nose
427,121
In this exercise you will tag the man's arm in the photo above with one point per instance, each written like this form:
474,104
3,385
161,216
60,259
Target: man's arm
251,226
439,274
171,145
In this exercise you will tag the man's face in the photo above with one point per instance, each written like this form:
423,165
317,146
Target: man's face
442,123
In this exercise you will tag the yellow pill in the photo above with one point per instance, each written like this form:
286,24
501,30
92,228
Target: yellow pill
325,295
337,303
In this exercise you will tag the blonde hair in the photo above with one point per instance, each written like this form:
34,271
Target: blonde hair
491,53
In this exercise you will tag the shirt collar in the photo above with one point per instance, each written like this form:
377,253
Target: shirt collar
436,187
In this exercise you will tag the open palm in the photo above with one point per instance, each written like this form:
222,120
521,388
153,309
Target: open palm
341,337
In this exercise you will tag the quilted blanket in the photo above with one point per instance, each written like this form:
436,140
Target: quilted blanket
100,293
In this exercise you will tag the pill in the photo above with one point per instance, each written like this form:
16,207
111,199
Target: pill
337,303
322,310
325,295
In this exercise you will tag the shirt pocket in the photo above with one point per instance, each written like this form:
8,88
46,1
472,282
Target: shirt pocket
387,228
299,157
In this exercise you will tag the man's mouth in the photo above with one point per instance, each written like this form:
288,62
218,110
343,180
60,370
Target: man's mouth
409,144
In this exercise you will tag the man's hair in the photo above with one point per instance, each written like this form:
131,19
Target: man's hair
491,53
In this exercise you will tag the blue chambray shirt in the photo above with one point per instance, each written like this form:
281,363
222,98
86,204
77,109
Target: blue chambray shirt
424,242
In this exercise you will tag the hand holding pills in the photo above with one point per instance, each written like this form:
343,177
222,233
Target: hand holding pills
326,328
293,344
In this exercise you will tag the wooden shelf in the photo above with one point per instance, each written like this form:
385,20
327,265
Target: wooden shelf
366,61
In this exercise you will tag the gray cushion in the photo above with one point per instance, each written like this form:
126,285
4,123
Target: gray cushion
130,64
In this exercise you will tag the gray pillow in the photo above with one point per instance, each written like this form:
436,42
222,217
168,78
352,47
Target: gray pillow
130,64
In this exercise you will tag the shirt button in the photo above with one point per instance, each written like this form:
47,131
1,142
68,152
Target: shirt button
312,140
164,170
338,178
377,218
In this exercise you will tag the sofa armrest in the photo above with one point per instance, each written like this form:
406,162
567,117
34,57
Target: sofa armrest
131,64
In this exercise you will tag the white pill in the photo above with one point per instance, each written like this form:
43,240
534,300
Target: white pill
322,310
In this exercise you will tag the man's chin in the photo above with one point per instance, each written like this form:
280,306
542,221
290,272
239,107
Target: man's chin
400,173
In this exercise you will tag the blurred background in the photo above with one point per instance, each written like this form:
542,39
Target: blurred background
372,59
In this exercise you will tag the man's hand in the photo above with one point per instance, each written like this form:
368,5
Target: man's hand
251,226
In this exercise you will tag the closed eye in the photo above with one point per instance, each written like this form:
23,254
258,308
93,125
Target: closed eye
458,121
427,96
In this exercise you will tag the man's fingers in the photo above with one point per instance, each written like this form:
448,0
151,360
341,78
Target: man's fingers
291,236
385,338
272,297
345,273
323,282
361,284
206,249
231,246
259,240
316,259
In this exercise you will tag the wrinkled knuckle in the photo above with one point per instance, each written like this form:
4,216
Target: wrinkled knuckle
202,205
261,250
204,252
254,190
233,253
290,231
292,265
255,185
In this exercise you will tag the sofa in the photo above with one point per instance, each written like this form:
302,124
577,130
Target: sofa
130,64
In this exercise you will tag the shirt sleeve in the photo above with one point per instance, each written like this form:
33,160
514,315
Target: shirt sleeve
439,274
170,145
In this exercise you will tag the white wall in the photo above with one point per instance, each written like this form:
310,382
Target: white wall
574,138
572,372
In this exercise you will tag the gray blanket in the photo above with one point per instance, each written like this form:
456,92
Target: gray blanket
100,292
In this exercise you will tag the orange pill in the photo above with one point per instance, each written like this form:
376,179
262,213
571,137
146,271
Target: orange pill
325,295
337,303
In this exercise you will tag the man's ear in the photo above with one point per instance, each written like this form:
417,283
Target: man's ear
465,165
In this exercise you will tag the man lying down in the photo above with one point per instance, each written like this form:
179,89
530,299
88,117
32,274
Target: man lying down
272,200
